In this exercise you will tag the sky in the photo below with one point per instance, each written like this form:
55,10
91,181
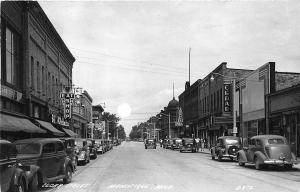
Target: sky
129,53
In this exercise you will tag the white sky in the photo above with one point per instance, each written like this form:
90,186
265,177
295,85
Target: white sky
132,52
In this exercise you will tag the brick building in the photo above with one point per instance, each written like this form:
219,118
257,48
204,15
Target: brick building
36,65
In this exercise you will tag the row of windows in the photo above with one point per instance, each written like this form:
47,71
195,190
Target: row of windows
44,82
212,103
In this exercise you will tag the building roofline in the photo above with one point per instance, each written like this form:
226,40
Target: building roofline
284,90
34,4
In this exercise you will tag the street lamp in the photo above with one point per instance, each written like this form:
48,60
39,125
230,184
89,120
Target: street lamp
233,82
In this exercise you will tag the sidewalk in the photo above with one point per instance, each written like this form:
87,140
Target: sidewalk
205,150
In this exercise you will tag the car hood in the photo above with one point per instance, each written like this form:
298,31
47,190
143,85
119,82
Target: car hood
28,159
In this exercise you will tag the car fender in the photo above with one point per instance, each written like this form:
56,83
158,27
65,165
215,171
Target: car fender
260,156
242,156
20,176
213,151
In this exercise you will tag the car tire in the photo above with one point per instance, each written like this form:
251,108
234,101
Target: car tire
219,158
68,176
288,167
240,163
257,165
180,151
34,184
20,187
213,157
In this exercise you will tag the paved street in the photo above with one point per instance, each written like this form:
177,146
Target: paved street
129,167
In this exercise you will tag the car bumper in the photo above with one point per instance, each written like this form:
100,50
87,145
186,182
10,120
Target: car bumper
80,159
279,162
229,156
188,148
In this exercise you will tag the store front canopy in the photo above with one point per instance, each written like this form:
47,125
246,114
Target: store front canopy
70,132
11,123
50,128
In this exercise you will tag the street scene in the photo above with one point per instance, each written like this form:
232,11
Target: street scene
122,96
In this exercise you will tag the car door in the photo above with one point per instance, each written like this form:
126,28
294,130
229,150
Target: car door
61,155
251,150
7,165
49,161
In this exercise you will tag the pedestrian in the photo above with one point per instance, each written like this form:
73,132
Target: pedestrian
197,143
160,142
202,144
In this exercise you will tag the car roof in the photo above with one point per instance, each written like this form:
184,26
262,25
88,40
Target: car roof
4,141
187,138
225,137
38,140
267,137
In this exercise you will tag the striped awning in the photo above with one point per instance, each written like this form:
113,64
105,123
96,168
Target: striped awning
49,127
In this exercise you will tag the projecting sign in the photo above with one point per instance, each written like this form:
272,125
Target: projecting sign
227,97
67,99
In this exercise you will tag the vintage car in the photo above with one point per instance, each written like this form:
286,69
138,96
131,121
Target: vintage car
82,151
92,147
176,143
49,155
150,143
188,144
267,150
69,143
12,176
99,146
227,147
167,143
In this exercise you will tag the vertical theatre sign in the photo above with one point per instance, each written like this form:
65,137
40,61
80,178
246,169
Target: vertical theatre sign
67,100
227,97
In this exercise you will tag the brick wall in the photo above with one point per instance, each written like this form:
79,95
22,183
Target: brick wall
284,80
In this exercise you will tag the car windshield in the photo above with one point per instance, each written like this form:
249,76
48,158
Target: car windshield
232,141
276,141
189,141
28,148
79,143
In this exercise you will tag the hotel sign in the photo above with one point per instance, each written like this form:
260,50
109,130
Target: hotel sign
227,97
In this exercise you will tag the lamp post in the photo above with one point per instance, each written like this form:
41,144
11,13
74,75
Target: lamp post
233,82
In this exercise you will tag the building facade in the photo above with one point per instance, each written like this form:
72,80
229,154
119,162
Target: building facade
82,116
284,115
36,65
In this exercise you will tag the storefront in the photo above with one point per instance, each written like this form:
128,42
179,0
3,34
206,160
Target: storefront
284,116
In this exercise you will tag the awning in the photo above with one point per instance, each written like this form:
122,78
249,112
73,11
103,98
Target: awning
14,124
50,128
70,132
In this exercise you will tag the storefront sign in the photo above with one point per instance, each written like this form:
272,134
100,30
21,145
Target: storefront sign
10,93
227,97
67,100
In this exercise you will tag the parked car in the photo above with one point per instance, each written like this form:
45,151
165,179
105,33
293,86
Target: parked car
69,143
150,143
267,150
188,144
176,143
12,176
82,151
92,147
99,146
227,147
49,155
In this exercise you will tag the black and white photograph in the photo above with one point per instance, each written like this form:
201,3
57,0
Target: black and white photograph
150,96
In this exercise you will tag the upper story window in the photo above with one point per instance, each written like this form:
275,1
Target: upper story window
12,57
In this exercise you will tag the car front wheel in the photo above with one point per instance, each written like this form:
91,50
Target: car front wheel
257,164
20,187
219,158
